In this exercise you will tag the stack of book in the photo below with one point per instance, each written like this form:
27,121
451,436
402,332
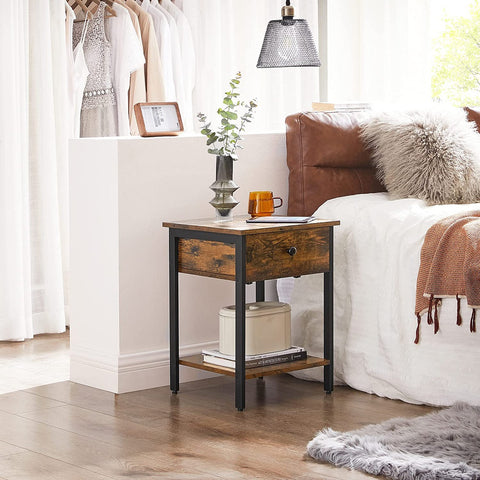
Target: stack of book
340,107
215,357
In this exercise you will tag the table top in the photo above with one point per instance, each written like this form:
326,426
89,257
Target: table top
239,226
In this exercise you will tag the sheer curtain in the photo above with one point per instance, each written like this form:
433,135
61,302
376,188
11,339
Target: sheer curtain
380,51
32,168
228,35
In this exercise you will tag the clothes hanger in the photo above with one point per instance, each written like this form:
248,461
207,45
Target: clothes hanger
109,9
78,3
81,3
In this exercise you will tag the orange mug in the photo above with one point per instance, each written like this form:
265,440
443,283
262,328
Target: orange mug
262,204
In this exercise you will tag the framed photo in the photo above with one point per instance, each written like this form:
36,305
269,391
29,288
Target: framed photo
156,119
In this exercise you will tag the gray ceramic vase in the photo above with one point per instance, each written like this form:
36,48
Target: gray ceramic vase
224,186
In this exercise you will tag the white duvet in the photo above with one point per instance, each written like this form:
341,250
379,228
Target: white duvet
377,255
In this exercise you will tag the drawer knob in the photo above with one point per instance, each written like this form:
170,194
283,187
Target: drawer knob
292,251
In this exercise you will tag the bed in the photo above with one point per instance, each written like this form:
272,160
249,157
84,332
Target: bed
377,256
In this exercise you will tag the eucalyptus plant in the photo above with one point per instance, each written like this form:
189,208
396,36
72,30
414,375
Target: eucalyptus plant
224,141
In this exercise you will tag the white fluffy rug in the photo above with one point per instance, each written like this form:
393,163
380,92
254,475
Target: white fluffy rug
439,446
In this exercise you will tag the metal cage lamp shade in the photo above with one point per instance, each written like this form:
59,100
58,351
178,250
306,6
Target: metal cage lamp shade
288,43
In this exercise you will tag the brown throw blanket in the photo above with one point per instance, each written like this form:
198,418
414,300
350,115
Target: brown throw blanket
449,267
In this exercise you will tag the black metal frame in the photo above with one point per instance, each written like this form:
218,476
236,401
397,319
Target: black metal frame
328,318
239,242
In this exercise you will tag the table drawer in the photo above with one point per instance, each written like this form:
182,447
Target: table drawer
267,254
206,258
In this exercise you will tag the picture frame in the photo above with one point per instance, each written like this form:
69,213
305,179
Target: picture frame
157,119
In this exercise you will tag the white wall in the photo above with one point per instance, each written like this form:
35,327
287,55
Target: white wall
121,190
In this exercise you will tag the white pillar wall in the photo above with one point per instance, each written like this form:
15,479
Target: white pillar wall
121,190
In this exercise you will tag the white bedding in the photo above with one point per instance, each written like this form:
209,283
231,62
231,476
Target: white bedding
377,255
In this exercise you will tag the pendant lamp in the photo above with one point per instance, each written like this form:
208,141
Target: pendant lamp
288,43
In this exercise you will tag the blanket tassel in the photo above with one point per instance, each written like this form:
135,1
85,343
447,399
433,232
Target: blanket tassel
429,315
473,327
417,333
437,326
459,317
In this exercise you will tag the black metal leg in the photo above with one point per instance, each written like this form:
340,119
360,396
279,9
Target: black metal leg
328,319
240,324
174,341
260,291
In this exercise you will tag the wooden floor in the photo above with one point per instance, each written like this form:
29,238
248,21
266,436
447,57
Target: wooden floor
66,431
44,359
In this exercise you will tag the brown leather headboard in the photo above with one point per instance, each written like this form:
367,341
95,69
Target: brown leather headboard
326,158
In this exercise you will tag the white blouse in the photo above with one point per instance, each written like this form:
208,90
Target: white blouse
188,58
162,32
127,57
178,73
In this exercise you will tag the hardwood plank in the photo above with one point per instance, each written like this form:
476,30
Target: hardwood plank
153,434
97,401
42,360
115,461
70,431
9,449
33,466
22,401
196,361
179,441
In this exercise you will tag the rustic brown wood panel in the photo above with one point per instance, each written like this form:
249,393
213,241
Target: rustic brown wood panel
196,361
267,254
206,258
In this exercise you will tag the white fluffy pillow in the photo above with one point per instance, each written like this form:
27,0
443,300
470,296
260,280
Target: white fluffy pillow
432,154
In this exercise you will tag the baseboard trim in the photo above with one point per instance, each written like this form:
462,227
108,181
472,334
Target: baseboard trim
132,371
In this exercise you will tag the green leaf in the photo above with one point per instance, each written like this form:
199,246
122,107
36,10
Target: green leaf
229,115
227,135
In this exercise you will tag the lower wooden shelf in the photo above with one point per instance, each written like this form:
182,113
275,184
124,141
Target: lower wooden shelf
196,361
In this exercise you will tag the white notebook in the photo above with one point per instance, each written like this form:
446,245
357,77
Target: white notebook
280,219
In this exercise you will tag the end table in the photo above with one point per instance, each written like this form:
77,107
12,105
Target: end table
245,253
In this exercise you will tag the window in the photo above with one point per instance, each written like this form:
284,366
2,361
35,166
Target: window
401,51
456,54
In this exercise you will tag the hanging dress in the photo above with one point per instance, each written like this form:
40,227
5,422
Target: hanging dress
99,113
69,19
80,74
